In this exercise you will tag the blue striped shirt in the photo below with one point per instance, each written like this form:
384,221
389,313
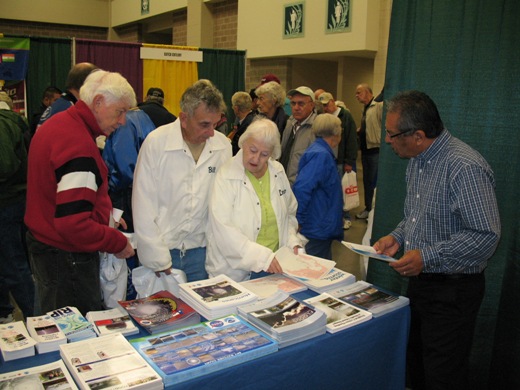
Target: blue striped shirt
450,212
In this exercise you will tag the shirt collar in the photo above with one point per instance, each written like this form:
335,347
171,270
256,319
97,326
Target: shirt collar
436,147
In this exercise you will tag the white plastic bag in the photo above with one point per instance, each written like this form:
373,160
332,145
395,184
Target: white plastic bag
113,276
147,283
350,191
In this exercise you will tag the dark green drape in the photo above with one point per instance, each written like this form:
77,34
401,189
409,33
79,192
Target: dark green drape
226,69
465,55
50,61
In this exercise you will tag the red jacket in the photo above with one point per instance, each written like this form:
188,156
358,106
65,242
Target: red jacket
68,206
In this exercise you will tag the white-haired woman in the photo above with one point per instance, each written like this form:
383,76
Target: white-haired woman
252,209
271,98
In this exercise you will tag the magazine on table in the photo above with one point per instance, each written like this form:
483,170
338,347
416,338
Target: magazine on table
108,362
285,319
340,315
366,250
15,341
73,324
45,331
303,265
369,297
216,297
160,312
200,349
271,284
112,321
334,279
48,376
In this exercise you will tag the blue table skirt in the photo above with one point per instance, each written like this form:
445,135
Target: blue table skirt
370,355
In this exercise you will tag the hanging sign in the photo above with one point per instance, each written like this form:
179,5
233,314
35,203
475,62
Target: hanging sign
153,53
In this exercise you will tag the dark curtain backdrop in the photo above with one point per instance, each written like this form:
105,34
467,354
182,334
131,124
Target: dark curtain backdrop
49,63
465,55
115,57
226,69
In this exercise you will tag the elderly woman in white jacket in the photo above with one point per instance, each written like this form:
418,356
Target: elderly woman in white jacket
252,209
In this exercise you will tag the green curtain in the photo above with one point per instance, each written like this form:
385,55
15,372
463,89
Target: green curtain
226,69
50,60
465,55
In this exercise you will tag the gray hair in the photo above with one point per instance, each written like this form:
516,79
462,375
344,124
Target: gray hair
274,92
203,91
266,131
326,125
242,100
111,85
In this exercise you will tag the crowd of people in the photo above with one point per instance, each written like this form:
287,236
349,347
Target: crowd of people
211,202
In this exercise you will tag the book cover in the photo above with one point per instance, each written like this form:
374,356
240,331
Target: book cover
303,265
340,315
15,341
46,333
370,297
270,284
48,376
112,321
160,312
203,348
333,279
108,362
72,323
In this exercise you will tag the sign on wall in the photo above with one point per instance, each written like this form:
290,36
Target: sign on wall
293,20
338,16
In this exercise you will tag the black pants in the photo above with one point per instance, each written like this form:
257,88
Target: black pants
443,316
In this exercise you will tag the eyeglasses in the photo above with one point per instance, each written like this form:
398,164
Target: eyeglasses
398,134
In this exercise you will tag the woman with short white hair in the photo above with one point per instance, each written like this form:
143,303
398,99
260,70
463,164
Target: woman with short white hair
271,98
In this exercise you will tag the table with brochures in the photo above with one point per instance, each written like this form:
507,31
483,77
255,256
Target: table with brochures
370,355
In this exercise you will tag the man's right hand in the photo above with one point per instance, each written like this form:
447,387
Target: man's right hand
387,245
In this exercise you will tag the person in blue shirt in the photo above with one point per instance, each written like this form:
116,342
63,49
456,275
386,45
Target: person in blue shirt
318,189
450,228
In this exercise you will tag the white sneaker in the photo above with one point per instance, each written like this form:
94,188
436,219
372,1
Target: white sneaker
6,320
346,224
362,215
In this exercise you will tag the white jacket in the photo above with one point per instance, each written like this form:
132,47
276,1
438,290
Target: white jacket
171,192
235,219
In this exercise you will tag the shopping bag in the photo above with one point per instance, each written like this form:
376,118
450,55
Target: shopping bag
147,283
350,191
113,276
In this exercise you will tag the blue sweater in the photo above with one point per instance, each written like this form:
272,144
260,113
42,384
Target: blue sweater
318,191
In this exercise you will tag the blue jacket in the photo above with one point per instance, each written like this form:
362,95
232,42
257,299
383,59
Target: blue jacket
319,194
122,147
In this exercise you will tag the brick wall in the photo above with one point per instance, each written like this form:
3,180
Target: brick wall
225,16
180,28
36,29
256,69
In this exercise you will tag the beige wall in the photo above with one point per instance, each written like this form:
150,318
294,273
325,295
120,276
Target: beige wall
128,11
261,26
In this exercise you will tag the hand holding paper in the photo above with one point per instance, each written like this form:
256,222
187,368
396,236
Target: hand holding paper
365,250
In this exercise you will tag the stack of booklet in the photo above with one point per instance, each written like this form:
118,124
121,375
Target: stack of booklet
15,341
161,312
48,376
368,297
73,324
109,362
269,285
203,348
285,319
46,333
335,278
340,315
216,297
302,265
112,321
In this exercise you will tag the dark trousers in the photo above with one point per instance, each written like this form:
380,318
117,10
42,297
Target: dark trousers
443,316
319,248
15,274
370,162
65,278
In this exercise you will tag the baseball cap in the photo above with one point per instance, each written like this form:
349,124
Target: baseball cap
269,77
156,92
302,91
325,97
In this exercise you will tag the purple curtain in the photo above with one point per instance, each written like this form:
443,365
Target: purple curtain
115,57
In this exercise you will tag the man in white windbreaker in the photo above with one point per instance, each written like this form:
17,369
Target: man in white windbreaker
252,209
175,170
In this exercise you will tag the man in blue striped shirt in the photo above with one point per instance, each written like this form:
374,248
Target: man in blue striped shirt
451,227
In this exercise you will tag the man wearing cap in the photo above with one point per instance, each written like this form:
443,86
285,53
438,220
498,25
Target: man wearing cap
297,135
154,107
